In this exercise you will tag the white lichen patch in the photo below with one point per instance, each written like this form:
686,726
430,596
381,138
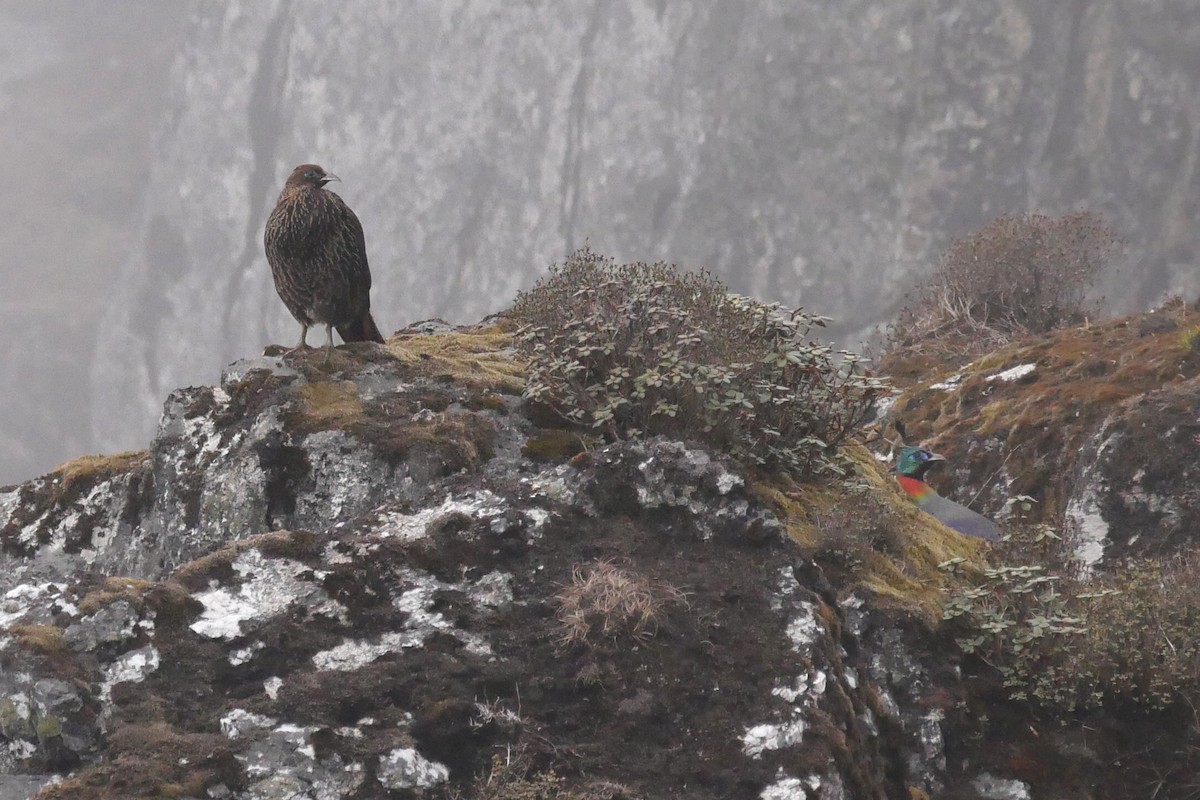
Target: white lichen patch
22,750
20,700
537,521
420,622
554,484
481,505
8,504
343,473
131,667
239,722
950,383
272,686
418,600
28,537
785,788
244,654
104,502
493,589
991,787
20,600
761,738
804,628
933,742
1083,509
269,586
728,481
201,430
353,654
1084,512
1013,373
803,631
405,768
786,586
805,689
283,762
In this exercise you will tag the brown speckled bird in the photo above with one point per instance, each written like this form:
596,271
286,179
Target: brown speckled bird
318,258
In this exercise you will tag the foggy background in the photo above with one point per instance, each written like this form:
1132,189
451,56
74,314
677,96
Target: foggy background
812,153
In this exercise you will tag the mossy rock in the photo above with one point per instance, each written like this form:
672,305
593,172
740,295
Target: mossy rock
554,444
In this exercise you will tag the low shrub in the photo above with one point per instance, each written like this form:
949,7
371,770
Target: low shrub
638,349
1017,274
1070,641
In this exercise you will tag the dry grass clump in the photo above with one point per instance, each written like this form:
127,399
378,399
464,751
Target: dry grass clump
604,603
514,776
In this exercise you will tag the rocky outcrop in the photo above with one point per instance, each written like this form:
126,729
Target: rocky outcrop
392,577
362,582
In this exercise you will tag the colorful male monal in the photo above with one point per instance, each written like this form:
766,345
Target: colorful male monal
910,472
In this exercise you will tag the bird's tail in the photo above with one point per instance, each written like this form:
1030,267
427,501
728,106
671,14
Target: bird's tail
365,330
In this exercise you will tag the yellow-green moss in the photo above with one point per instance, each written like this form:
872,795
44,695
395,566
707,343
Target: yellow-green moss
907,574
480,360
330,404
86,471
48,728
45,639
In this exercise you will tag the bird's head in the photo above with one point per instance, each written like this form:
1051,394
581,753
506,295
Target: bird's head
914,461
310,175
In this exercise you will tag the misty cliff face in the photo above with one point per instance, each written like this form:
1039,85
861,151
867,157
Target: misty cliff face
810,153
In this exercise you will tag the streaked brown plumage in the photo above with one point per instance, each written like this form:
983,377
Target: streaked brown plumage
318,258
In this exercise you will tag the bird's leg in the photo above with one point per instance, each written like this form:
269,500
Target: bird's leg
303,344
328,343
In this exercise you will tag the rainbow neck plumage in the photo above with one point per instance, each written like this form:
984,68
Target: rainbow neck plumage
917,489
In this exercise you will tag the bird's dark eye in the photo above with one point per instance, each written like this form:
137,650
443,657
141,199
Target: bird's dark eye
310,174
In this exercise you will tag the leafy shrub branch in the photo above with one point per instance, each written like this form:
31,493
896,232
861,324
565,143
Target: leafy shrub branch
645,349
1072,642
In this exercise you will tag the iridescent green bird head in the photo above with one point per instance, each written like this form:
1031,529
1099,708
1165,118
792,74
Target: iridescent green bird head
915,461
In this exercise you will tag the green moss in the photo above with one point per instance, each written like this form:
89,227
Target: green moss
874,535
12,724
487,401
48,728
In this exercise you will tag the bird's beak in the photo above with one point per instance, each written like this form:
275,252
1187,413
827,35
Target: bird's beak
934,457
329,176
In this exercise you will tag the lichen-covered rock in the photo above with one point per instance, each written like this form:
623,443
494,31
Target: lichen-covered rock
352,583
273,446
